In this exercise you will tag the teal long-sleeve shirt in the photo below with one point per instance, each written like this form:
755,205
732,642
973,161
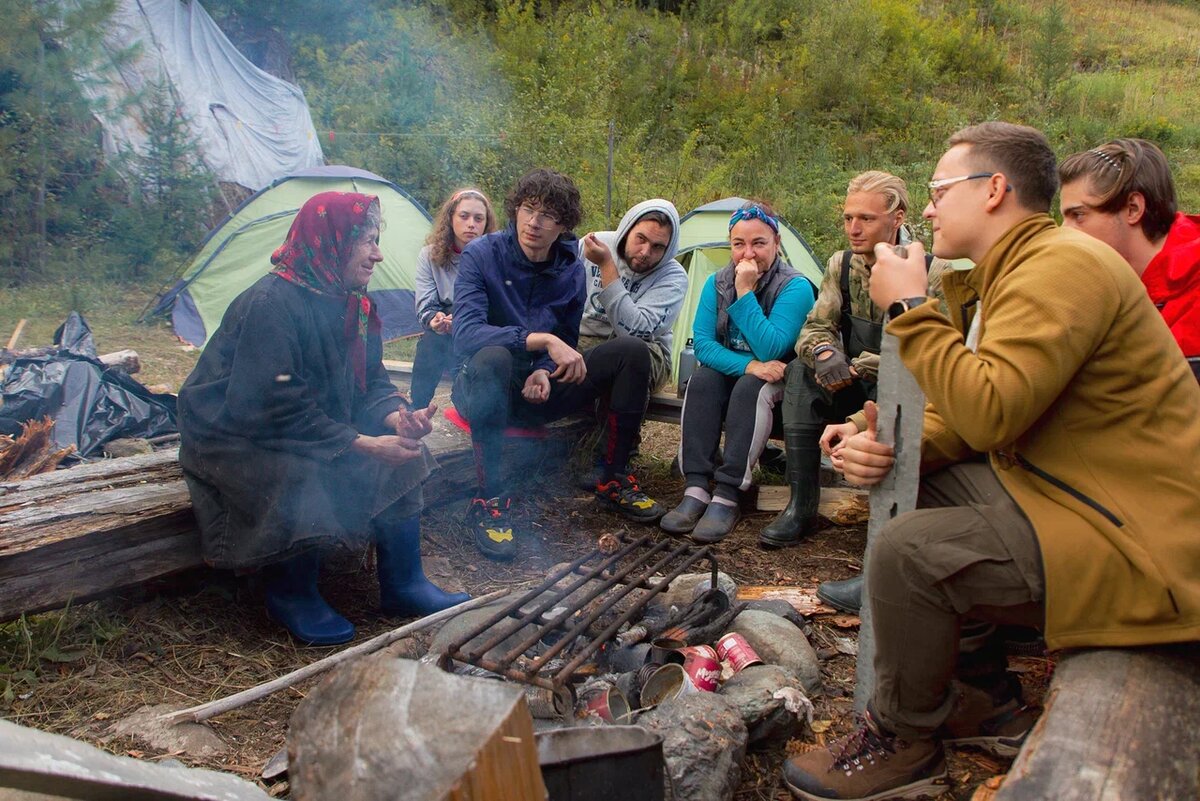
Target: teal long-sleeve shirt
765,338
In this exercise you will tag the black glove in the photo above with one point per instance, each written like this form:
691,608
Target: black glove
833,372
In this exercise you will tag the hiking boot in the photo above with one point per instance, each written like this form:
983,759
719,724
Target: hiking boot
980,720
844,596
718,520
493,531
868,765
684,517
625,496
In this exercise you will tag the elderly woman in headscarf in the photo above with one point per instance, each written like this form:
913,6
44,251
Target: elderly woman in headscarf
294,439
745,329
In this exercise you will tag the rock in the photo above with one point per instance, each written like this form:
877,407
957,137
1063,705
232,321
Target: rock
145,726
778,642
704,741
753,693
688,587
779,607
458,626
127,447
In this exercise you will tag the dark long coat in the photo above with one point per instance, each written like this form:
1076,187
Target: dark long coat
267,419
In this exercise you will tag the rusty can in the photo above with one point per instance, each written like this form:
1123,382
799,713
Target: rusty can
606,701
734,649
703,668
548,704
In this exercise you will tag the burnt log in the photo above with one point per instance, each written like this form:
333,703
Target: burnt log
1118,723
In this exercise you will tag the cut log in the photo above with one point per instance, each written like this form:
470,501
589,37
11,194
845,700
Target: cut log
398,729
774,498
1118,724
803,599
126,360
34,761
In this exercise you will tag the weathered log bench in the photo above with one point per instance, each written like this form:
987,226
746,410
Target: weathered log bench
1119,724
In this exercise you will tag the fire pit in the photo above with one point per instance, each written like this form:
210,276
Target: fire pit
576,611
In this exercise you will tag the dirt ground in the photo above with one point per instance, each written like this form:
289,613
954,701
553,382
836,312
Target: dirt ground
204,635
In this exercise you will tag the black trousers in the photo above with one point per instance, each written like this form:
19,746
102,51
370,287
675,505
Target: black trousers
807,404
435,355
487,392
744,406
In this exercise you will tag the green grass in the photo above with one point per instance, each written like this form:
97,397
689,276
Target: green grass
32,646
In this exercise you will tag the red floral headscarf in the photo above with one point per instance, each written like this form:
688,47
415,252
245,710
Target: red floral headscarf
314,254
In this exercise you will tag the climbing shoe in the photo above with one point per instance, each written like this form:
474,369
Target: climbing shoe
493,530
625,496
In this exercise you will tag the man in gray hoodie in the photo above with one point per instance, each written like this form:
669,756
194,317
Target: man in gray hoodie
635,290
635,286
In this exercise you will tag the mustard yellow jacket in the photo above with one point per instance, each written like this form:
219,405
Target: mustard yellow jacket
1090,417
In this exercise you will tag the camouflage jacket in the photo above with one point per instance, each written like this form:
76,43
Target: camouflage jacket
824,321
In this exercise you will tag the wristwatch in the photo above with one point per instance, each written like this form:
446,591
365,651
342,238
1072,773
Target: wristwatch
899,307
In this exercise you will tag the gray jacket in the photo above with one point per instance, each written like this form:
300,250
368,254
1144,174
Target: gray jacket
435,285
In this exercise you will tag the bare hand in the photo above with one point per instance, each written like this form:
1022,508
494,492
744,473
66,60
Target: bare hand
745,276
440,323
413,424
770,372
895,277
596,251
865,461
571,367
835,435
393,450
537,387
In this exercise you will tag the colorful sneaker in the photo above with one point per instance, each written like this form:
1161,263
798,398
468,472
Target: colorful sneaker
625,496
868,765
979,719
493,531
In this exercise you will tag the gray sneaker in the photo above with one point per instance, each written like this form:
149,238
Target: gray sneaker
683,518
718,520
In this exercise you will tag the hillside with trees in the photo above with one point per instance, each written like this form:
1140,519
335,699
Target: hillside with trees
700,99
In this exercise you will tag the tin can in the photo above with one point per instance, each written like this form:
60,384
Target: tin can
699,650
669,681
547,704
734,649
703,668
606,701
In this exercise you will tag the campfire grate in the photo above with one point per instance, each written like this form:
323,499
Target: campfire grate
621,568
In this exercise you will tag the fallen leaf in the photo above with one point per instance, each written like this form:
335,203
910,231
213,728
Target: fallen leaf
845,621
819,726
845,645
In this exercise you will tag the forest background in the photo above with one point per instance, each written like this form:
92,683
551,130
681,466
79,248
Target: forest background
783,99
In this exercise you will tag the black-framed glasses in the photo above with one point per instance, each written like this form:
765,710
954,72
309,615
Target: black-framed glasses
938,188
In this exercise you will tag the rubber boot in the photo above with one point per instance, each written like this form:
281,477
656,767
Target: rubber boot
844,596
403,589
294,602
799,519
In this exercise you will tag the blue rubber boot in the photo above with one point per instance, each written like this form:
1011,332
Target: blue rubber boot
403,589
294,602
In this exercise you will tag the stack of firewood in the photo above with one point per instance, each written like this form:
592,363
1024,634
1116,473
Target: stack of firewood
32,452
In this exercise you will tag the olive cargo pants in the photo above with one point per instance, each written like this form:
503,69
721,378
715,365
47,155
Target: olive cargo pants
967,551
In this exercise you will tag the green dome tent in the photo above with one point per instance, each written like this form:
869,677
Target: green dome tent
704,249
238,252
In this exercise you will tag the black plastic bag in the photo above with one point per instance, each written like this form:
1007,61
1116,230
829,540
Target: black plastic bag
90,404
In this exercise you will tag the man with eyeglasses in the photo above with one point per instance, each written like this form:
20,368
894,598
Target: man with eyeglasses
519,299
1057,402
838,351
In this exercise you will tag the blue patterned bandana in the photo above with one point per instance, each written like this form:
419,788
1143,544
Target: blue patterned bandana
753,213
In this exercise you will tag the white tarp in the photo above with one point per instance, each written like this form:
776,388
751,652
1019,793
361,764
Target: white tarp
250,126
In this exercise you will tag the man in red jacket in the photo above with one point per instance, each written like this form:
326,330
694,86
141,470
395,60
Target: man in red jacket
1122,193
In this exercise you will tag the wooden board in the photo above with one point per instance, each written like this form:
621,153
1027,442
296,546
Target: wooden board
1118,724
803,599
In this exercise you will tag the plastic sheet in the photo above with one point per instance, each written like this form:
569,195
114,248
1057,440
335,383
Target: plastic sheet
91,404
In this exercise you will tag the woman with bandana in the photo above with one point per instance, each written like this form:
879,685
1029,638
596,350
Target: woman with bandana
745,331
294,439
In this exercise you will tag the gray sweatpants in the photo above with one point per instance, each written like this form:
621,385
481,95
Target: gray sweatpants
744,405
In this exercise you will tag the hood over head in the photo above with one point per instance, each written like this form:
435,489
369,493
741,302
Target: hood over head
615,238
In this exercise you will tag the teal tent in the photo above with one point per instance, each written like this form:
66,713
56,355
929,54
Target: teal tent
704,249
238,252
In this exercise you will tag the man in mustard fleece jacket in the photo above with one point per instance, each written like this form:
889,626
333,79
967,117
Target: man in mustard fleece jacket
1052,491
